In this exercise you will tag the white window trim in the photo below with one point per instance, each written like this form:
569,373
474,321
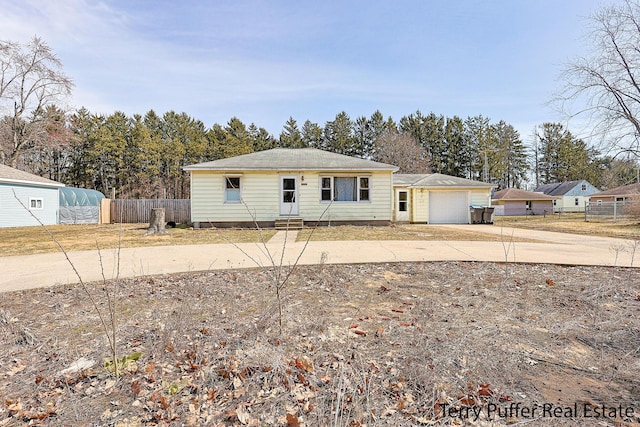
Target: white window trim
331,187
225,189
36,199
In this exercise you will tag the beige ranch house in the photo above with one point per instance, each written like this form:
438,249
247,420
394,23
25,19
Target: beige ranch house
291,186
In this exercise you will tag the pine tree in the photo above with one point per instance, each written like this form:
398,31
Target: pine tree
311,134
290,137
338,136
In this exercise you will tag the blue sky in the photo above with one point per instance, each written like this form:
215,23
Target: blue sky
263,61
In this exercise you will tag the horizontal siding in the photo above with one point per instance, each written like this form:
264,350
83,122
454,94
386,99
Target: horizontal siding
568,204
541,207
517,207
12,214
481,197
421,205
261,195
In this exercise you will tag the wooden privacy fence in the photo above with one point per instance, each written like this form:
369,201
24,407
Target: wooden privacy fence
133,211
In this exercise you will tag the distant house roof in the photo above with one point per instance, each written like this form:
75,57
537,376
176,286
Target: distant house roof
11,175
291,159
517,194
556,188
436,180
625,190
561,188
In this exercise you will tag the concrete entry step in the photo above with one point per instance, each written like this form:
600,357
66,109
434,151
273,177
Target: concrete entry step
289,224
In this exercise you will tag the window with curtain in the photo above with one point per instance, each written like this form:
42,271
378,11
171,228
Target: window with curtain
344,189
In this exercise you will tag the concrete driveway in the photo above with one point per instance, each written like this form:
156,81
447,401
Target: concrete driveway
31,271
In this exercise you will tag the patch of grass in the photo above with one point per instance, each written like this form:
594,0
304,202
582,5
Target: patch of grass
573,223
400,232
34,240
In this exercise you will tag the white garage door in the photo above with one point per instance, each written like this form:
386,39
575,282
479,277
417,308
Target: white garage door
448,207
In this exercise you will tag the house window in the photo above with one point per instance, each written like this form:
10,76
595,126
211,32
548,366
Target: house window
584,187
402,201
232,189
364,189
555,202
577,201
599,202
35,203
527,205
344,189
326,191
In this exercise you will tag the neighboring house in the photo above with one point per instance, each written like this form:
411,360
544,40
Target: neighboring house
437,199
512,201
38,195
304,184
618,194
574,195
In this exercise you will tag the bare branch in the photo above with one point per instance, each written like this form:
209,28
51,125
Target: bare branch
604,87
31,79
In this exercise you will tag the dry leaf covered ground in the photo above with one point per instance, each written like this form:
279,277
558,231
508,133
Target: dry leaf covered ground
362,345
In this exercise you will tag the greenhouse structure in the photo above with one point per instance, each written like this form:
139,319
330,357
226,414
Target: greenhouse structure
79,206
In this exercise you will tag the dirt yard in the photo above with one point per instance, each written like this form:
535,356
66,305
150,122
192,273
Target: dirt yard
361,345
575,223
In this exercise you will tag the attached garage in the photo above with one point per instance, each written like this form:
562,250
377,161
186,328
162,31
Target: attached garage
437,198
449,207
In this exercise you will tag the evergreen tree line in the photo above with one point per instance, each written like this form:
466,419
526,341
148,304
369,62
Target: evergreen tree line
142,156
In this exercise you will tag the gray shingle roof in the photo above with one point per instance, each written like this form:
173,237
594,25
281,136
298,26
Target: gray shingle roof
291,159
16,176
436,180
557,188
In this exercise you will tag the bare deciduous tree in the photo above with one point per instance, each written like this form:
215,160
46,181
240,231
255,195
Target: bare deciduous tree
31,79
605,86
402,150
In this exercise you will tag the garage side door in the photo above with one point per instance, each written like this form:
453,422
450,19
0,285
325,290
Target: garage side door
448,207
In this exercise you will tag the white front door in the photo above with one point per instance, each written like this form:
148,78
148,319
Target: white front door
402,205
288,195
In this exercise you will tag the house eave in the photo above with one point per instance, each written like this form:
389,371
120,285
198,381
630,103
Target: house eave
31,183
285,169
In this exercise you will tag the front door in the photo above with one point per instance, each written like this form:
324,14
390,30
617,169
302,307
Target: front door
402,205
288,195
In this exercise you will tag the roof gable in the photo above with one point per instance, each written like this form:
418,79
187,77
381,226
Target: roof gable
11,175
291,159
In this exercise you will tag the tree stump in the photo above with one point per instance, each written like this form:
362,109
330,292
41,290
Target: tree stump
157,224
